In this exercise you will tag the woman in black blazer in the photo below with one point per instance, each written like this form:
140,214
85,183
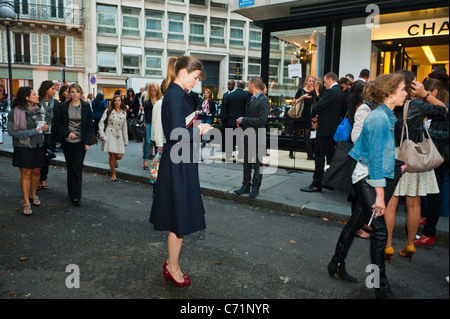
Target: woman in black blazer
177,205
74,130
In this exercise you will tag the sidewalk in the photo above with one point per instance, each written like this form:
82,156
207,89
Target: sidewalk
280,191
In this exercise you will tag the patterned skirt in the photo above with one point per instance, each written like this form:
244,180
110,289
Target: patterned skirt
416,184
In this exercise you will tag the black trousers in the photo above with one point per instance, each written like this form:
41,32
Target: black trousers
74,154
50,144
434,204
361,213
324,149
252,161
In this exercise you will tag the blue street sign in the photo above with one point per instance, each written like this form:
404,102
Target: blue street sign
246,3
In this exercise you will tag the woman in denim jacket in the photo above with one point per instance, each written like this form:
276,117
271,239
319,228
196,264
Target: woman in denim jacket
28,143
369,177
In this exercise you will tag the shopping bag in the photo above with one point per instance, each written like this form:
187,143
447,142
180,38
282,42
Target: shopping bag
154,168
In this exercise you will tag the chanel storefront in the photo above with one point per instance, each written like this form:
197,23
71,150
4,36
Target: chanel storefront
348,36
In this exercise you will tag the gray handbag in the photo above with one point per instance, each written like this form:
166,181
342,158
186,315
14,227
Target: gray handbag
418,157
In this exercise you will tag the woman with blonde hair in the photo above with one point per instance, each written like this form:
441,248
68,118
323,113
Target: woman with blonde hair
177,206
113,132
152,95
308,96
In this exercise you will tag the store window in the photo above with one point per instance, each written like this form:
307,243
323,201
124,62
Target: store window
106,19
130,21
176,26
153,24
304,48
106,59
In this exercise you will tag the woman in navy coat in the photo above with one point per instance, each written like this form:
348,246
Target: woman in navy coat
177,205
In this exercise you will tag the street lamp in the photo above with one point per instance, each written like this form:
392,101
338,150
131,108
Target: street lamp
9,17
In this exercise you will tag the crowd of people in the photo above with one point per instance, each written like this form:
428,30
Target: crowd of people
59,116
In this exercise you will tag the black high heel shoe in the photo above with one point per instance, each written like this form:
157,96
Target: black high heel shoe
335,267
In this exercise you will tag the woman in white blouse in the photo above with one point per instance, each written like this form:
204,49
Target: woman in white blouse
113,132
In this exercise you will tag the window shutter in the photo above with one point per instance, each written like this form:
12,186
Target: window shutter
46,49
34,48
69,51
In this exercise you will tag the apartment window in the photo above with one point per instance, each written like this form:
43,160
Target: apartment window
176,26
274,65
219,5
255,37
178,54
57,9
58,51
153,24
254,67
179,1
236,68
130,21
130,64
153,62
197,29
198,2
274,44
237,33
106,59
217,35
22,48
106,19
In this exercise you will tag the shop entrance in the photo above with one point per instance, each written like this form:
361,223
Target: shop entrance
418,55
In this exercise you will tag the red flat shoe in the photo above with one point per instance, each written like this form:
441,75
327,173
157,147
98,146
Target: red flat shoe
425,240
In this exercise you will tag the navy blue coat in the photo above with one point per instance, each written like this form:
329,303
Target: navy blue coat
177,206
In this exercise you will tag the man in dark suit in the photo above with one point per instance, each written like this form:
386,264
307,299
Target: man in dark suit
256,115
330,109
230,86
233,108
196,99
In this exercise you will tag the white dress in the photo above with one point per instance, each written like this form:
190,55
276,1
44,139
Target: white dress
116,132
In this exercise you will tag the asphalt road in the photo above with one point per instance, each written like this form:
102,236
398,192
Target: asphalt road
246,252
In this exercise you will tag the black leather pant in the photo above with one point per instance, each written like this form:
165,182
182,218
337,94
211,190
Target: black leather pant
361,213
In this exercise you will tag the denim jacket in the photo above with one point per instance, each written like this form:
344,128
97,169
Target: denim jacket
375,147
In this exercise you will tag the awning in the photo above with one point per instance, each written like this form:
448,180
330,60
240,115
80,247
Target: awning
132,51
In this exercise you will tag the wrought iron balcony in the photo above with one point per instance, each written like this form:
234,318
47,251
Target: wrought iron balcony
22,59
71,14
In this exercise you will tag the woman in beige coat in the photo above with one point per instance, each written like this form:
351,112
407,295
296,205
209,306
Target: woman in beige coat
115,135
